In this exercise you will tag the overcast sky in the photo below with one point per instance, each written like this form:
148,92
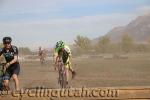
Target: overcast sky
36,23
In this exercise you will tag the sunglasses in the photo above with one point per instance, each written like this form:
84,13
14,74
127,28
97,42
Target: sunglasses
6,43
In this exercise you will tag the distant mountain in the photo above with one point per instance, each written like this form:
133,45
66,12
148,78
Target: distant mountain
138,29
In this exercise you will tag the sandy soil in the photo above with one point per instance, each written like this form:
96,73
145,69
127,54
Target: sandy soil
91,72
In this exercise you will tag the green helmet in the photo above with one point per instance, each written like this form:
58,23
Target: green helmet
62,44
59,45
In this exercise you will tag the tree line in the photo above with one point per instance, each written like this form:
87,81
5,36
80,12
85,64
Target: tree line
104,45
83,45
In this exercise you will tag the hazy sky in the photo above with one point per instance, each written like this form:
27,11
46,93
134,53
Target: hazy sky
43,22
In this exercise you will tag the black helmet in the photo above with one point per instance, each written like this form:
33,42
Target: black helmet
7,40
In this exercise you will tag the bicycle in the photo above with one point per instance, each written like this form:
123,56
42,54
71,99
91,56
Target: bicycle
42,59
62,80
42,55
2,72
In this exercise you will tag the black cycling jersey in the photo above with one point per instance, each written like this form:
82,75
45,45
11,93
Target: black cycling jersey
64,54
9,53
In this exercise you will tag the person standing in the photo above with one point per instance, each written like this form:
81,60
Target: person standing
12,66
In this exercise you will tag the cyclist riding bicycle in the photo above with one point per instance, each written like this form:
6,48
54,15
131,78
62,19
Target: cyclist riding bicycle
12,66
42,55
63,51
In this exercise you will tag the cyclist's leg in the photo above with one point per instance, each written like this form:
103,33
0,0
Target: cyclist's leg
6,79
15,78
6,85
67,72
42,59
15,74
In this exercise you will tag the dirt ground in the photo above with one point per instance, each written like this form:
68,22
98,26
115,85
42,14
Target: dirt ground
91,72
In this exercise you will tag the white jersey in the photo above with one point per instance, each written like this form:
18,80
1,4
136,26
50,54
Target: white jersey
67,49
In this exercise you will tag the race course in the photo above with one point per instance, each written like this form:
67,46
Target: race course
91,72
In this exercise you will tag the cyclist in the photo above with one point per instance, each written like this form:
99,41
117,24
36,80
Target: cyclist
42,55
64,52
12,66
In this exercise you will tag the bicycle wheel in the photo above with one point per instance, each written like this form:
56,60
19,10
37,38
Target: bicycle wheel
64,80
62,77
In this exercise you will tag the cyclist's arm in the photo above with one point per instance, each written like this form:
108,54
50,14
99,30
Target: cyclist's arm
69,52
14,60
70,57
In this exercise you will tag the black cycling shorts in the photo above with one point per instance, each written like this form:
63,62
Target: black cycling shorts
13,69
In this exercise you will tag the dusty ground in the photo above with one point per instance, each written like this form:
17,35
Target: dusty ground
91,72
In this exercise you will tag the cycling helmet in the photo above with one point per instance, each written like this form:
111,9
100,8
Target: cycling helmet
7,40
57,45
60,44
